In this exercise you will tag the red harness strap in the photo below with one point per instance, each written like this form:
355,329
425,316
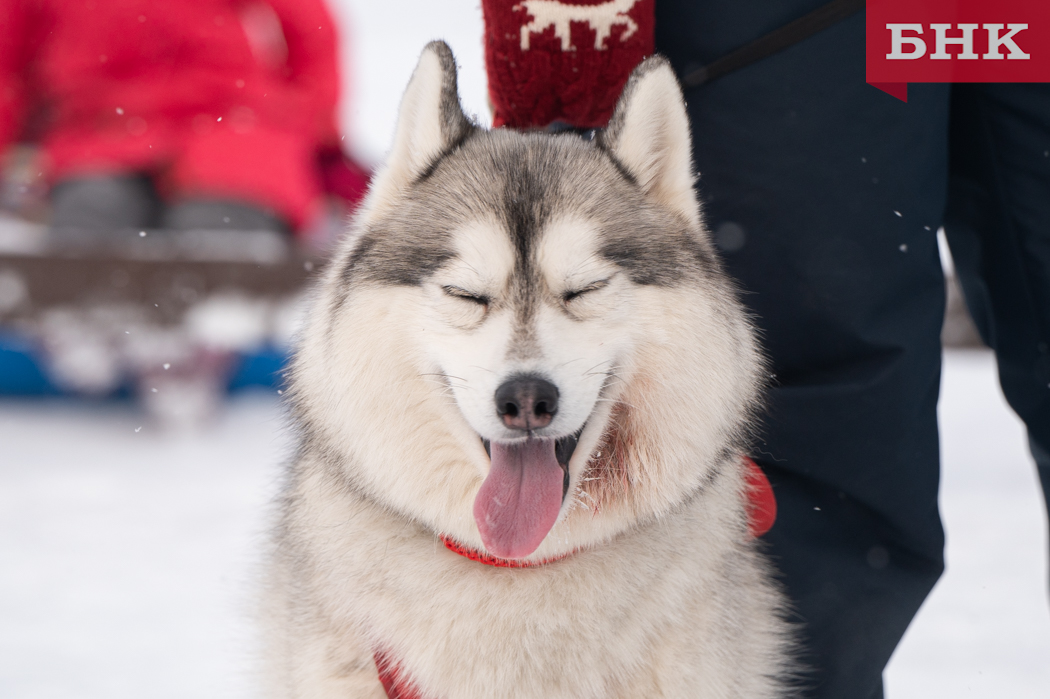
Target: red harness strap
761,503
761,513
397,686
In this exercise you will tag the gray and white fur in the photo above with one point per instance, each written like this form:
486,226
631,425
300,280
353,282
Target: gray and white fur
480,257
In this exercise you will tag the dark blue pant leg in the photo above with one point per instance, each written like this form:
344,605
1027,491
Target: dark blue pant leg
825,195
998,226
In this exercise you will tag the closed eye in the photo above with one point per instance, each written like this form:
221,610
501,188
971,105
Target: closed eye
458,293
573,294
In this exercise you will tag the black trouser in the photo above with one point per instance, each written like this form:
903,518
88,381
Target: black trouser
825,195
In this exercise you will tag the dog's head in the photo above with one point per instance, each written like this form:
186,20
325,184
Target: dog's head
529,332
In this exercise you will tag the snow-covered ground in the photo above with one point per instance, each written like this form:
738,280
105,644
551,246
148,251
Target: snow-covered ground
985,630
128,556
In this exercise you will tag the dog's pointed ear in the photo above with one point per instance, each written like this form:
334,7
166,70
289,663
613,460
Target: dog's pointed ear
430,120
649,135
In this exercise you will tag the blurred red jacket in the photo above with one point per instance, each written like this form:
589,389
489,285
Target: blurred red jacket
219,98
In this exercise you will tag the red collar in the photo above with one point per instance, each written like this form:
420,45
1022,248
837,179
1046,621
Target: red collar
761,513
490,560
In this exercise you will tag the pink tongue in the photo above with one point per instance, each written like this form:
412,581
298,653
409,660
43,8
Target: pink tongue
520,500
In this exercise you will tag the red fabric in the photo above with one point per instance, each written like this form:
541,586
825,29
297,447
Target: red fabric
561,76
342,176
231,97
15,50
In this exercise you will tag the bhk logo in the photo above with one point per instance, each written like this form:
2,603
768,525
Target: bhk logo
944,41
917,47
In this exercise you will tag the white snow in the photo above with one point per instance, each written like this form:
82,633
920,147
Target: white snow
985,629
381,42
128,557
230,321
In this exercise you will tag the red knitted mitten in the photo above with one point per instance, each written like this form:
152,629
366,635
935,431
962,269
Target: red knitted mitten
550,61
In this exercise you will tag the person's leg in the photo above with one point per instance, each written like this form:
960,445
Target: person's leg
1042,465
998,227
824,195
104,203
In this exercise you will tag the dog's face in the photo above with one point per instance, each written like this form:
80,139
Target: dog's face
529,336
521,315
529,328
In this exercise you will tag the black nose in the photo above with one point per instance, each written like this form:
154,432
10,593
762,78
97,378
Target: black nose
526,402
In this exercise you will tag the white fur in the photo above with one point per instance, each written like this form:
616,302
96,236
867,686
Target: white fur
417,136
650,136
574,352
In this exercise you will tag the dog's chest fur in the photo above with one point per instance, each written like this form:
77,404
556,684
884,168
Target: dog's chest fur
671,610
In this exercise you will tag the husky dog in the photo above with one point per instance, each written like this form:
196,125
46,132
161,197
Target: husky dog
526,355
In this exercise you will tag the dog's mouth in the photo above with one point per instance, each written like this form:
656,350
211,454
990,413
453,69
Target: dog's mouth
564,447
522,496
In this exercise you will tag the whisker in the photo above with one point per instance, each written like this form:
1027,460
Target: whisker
616,401
444,385
607,361
446,376
559,366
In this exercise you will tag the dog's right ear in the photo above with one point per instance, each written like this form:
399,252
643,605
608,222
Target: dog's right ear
429,123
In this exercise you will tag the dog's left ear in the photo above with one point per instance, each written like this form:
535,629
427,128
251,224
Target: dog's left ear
649,135
430,121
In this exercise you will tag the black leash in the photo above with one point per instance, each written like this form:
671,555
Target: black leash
777,40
